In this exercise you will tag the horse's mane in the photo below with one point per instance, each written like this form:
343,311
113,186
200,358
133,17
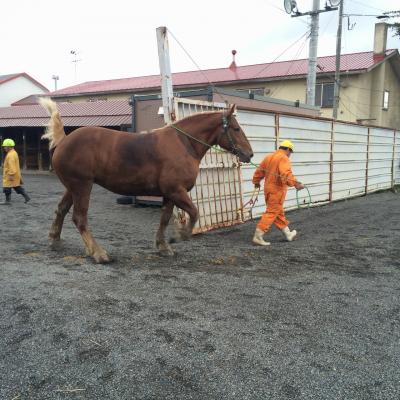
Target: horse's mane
201,115
193,118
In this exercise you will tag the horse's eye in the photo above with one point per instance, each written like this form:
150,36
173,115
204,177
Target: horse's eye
236,129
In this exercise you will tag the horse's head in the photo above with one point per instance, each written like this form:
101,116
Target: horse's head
232,137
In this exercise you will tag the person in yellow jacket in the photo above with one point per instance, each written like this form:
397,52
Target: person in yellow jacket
12,173
276,171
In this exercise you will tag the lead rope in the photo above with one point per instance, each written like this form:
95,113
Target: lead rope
251,202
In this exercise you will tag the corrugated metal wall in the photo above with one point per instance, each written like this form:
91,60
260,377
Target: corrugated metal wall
312,157
349,160
334,160
396,159
380,159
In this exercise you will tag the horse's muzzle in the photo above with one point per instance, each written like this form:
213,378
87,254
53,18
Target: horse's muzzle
245,156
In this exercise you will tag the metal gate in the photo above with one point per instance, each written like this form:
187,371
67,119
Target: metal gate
217,192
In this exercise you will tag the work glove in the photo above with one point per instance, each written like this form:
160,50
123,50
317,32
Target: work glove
299,186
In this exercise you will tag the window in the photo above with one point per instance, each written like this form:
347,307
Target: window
324,94
385,105
256,91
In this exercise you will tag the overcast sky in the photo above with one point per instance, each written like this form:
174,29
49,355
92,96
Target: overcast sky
117,39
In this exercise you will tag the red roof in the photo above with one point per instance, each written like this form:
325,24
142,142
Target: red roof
100,113
356,62
9,77
28,100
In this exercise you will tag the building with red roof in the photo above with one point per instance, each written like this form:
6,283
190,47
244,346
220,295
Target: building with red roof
14,87
370,83
369,93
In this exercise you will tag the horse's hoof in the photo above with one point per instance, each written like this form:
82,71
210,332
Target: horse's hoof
165,250
166,253
173,239
55,244
101,257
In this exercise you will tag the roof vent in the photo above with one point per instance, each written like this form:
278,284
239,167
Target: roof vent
233,63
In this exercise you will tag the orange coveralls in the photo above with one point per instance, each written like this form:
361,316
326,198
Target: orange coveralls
277,173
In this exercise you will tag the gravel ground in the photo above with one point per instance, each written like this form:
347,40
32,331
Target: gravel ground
317,318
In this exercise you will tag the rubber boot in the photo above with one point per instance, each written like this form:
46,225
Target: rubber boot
26,197
258,238
8,201
290,235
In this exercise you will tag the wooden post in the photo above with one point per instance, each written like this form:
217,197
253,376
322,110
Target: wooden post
276,131
331,161
24,163
167,92
50,160
1,150
39,154
366,166
165,72
393,155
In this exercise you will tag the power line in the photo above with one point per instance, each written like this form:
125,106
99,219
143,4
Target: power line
347,75
368,104
284,51
344,105
366,5
281,9
269,65
300,49
191,58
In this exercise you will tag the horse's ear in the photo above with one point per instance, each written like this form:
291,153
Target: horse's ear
232,110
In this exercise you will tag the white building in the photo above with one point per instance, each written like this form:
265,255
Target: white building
14,87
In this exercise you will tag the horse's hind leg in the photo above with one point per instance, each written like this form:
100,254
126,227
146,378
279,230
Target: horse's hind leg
163,247
79,217
63,207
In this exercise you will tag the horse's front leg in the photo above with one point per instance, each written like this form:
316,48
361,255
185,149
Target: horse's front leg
183,201
163,247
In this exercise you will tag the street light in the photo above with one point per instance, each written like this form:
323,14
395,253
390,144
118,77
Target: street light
56,78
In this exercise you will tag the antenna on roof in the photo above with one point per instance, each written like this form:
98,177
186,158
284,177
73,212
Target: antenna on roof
75,61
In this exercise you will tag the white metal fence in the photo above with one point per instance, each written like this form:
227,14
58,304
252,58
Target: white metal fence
335,160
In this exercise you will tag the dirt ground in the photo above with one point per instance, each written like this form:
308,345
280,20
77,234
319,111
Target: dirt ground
318,318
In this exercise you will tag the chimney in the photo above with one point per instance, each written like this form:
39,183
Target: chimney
380,39
233,64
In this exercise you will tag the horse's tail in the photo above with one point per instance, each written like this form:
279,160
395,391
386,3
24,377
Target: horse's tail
55,129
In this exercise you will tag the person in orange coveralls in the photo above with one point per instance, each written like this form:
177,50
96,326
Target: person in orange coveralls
276,171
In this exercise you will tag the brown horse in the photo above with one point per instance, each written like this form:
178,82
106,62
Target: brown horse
164,162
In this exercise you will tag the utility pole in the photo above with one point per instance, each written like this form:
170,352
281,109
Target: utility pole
313,51
291,8
336,91
165,72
